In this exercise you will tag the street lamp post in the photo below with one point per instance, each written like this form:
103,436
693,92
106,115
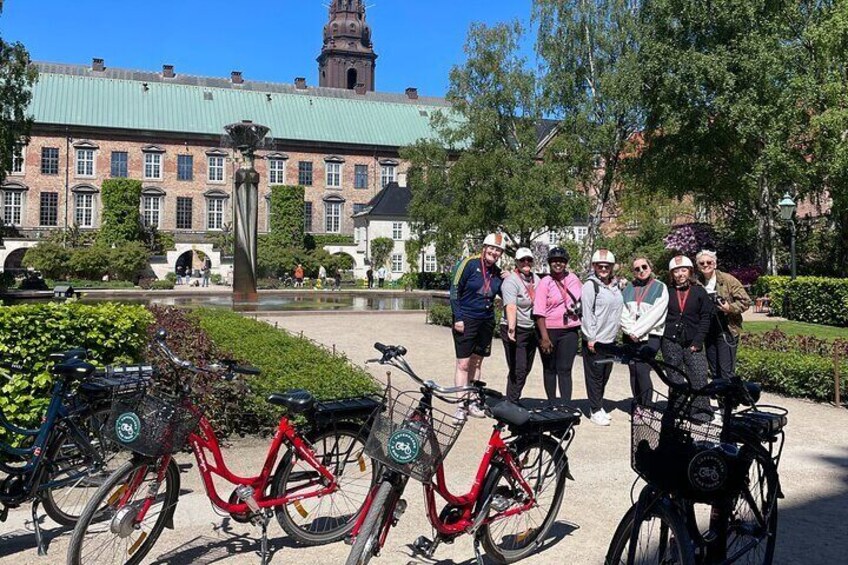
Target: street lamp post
787,214
245,137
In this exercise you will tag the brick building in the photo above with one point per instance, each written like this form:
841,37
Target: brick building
92,123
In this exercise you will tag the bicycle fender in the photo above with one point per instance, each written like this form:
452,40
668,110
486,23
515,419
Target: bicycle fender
169,521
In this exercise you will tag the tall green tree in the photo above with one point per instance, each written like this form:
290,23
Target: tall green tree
381,248
484,172
17,77
592,79
723,121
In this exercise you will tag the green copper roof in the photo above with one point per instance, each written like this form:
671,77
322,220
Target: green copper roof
72,95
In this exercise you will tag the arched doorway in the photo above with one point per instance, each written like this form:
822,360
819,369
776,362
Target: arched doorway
352,79
344,261
14,261
190,262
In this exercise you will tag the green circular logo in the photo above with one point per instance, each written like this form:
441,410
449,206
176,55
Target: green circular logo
404,447
127,427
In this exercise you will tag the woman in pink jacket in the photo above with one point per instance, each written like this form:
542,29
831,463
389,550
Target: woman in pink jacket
554,308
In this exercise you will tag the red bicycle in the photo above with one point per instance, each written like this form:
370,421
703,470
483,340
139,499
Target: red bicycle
316,492
519,485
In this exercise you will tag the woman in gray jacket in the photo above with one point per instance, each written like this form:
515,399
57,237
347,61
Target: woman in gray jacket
602,304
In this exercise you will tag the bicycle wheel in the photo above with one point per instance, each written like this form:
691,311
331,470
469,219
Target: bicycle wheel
108,530
367,541
661,538
329,518
78,472
510,538
752,528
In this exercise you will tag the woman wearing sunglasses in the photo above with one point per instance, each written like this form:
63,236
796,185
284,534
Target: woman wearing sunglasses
643,323
518,332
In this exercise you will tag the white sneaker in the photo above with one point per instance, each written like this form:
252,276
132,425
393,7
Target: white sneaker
717,418
476,411
607,414
460,416
600,418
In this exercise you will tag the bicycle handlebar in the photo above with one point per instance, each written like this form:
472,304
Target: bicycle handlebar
225,368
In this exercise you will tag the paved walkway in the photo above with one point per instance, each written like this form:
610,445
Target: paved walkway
813,517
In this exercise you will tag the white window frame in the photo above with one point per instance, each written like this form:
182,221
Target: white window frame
333,174
13,207
553,237
18,161
430,265
84,165
215,213
388,173
151,209
215,168
580,233
397,231
84,209
333,217
276,171
397,262
153,166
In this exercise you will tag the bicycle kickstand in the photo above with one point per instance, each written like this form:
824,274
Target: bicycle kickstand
478,555
264,542
39,537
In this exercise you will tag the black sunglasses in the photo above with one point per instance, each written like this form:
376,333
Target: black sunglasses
526,260
640,268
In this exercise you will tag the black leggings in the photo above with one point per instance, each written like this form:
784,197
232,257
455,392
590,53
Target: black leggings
557,365
640,372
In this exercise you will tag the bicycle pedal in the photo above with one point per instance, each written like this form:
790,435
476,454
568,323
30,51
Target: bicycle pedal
422,544
400,508
500,503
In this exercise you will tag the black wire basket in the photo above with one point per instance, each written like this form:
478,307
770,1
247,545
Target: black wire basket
152,425
676,446
410,440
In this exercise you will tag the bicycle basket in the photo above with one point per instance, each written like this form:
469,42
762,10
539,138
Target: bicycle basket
409,440
116,382
151,425
677,449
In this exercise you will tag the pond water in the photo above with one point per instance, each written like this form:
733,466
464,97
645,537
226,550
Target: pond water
289,301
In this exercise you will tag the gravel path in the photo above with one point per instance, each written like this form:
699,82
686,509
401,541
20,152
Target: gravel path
813,525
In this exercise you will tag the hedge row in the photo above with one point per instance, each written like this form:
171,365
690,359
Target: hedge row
816,300
113,333
790,373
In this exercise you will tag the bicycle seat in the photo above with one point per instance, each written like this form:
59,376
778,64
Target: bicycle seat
295,400
73,369
534,414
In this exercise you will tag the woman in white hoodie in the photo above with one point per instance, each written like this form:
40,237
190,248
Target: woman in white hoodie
643,323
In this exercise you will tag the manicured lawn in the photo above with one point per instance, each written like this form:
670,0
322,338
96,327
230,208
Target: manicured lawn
798,328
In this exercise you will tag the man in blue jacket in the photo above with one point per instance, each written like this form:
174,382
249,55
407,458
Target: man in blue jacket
475,283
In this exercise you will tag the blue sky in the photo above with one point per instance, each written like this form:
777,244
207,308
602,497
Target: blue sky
417,40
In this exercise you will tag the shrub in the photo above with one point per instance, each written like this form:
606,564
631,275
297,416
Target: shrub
50,259
216,278
90,263
172,276
789,373
817,300
121,215
319,240
286,362
434,281
28,333
128,261
440,315
162,285
381,248
286,216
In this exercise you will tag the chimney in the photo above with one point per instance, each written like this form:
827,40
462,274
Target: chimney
98,65
300,83
235,77
359,88
412,93
168,71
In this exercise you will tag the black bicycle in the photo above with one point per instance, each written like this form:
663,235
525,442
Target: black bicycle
61,463
712,487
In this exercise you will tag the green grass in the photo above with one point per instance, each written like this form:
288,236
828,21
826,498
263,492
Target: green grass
798,328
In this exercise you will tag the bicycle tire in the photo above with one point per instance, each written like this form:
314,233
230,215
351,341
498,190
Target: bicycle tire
758,525
676,546
369,534
65,456
537,476
100,514
285,481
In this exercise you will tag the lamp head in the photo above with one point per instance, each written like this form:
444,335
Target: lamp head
787,207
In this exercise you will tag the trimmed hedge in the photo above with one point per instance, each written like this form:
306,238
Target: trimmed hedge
113,333
440,315
817,300
285,360
789,373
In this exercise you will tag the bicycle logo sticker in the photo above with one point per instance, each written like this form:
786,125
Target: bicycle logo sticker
707,471
404,446
127,427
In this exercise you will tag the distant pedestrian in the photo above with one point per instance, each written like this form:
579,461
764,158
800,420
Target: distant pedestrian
206,271
298,276
322,275
381,276
180,272
369,274
518,332
602,305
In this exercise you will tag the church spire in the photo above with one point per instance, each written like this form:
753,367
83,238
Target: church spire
347,59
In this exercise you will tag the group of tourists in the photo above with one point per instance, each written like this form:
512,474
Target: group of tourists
183,273
694,320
